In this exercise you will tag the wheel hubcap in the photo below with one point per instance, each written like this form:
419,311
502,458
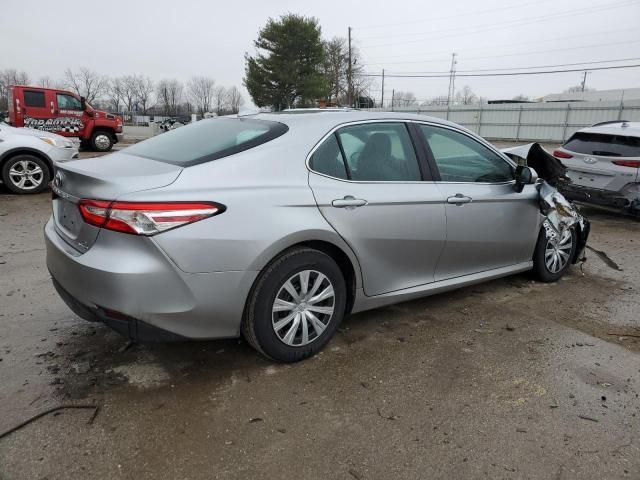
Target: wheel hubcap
26,175
303,308
558,250
102,142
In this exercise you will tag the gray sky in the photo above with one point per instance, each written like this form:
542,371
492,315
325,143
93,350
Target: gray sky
180,38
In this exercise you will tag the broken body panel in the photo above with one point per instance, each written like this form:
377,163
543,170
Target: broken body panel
560,213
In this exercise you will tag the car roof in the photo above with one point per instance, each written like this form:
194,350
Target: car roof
329,118
629,129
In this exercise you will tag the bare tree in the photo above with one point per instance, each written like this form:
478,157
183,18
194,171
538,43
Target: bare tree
200,91
47,82
144,88
220,98
87,83
10,77
521,98
465,96
336,63
578,89
234,99
404,99
115,94
170,92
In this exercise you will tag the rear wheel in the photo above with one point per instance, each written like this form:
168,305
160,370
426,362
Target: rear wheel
296,305
101,141
554,252
25,174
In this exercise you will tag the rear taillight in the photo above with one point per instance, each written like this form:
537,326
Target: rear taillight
561,154
146,218
627,163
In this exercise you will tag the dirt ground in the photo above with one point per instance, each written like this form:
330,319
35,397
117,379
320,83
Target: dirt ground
508,379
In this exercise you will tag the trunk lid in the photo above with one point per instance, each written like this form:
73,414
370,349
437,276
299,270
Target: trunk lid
103,178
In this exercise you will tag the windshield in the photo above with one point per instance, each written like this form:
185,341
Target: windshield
208,140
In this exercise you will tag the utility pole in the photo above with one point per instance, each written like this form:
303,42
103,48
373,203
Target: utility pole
382,101
452,79
584,79
349,90
393,95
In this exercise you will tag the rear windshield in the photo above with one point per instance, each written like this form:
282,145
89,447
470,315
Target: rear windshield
604,144
208,140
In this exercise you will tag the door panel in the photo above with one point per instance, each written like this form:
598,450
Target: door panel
497,228
489,224
397,235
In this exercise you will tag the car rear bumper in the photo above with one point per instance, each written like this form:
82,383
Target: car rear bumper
626,199
128,283
119,137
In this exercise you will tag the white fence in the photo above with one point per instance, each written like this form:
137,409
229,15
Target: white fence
541,122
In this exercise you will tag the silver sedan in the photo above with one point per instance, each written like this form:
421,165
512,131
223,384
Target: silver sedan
276,226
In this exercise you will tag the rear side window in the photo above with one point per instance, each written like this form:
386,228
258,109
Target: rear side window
380,152
604,144
327,159
34,99
208,140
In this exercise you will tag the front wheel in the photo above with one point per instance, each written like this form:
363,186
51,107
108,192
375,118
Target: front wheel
25,174
101,141
296,305
554,252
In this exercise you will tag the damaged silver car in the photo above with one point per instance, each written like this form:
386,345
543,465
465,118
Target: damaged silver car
603,164
276,226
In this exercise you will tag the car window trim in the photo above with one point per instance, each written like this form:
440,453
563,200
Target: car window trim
484,143
345,164
335,129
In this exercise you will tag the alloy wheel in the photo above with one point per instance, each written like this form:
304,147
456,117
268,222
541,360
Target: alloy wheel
303,308
557,251
26,175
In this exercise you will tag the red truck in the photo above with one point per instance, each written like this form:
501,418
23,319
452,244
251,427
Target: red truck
64,113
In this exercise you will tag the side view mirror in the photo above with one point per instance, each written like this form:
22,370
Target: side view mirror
524,176
83,103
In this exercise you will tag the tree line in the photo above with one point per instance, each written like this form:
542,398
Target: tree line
135,93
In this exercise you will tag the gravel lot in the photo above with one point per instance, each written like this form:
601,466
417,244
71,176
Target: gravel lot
508,379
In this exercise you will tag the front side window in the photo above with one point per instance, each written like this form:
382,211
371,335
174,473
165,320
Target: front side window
380,152
34,98
460,158
208,140
68,102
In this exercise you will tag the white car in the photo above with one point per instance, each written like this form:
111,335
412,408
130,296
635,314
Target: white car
603,163
28,157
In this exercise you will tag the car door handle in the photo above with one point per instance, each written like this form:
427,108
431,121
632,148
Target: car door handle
459,199
348,201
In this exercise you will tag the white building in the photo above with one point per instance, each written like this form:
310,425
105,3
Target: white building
595,96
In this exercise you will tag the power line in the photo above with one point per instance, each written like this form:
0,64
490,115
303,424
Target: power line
389,75
531,68
626,42
507,24
457,15
546,40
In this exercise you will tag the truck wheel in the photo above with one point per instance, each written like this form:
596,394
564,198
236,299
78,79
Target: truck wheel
101,141
25,174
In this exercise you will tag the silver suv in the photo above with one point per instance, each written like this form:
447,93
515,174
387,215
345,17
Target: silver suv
28,156
604,164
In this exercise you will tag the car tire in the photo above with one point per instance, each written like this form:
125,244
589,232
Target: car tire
289,329
549,262
101,141
26,173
